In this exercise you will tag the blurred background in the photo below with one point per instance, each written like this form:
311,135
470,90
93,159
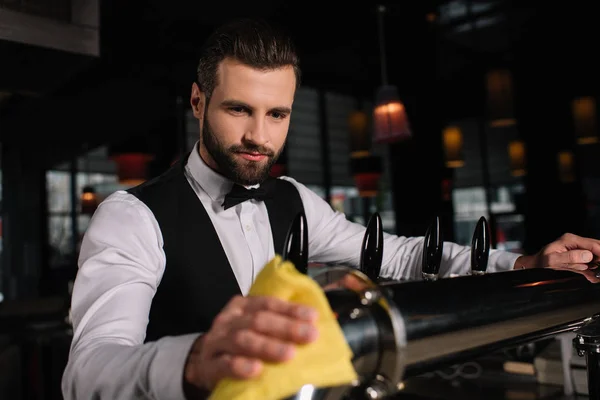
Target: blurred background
457,109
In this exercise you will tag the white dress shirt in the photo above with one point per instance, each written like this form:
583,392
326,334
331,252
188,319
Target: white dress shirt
121,264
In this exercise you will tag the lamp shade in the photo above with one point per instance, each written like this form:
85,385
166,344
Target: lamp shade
499,86
517,156
366,171
566,167
390,119
584,117
132,168
453,147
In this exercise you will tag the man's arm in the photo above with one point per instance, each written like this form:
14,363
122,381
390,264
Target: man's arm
334,239
120,267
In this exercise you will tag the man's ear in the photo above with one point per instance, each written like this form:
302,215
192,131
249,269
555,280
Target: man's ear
197,101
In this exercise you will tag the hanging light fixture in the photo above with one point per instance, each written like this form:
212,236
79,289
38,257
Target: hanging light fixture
500,98
453,147
390,119
566,167
517,156
584,117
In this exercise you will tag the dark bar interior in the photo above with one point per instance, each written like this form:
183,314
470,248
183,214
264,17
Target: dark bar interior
468,123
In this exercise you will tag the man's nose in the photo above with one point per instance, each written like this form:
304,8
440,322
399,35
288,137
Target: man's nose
256,132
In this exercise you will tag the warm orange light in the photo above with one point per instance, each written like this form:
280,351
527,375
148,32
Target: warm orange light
453,143
390,118
88,197
503,122
550,282
131,182
500,98
89,200
584,116
517,155
566,168
390,108
358,124
391,121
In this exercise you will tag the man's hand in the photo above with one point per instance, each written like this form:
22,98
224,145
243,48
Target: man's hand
248,331
569,252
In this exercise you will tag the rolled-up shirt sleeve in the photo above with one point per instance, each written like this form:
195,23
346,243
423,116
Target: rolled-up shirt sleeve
120,267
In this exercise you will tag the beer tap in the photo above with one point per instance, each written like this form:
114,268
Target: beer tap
296,243
480,247
432,251
372,248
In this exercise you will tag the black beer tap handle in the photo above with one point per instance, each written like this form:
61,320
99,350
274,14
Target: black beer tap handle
432,251
480,247
296,243
371,254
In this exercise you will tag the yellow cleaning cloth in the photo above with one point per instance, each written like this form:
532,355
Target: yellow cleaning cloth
325,362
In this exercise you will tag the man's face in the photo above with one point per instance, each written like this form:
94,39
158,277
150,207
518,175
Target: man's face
246,122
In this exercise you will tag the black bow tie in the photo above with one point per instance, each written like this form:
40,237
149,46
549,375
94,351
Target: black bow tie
239,194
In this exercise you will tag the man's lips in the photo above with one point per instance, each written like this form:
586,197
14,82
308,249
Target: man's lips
253,156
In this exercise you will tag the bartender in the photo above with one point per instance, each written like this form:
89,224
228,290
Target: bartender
159,305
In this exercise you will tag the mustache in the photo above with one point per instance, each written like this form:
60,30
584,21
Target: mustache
250,148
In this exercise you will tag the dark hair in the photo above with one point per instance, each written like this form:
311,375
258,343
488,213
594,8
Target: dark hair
252,42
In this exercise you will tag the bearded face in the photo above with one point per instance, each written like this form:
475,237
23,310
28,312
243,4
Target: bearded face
246,164
245,120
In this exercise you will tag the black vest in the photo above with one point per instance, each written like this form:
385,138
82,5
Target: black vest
198,280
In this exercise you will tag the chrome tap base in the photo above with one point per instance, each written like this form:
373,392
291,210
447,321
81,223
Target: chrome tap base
587,343
374,330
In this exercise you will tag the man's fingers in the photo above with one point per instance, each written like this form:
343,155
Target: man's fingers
250,344
572,241
277,326
225,318
590,275
238,367
573,267
259,303
232,310
243,367
574,257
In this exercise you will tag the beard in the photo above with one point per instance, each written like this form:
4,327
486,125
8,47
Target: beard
236,169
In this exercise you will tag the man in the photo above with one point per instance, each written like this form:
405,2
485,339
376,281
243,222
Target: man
158,305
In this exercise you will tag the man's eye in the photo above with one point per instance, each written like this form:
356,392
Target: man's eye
237,109
278,115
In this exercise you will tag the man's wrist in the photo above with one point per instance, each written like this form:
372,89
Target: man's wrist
193,392
191,389
525,262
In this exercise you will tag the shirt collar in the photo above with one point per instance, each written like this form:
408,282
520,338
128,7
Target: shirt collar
213,183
